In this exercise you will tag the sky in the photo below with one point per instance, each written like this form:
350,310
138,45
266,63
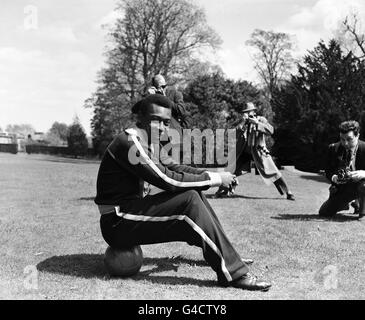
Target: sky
51,51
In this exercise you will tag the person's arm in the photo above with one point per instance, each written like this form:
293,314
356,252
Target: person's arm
178,110
151,90
133,156
240,124
357,175
174,166
330,164
264,126
179,106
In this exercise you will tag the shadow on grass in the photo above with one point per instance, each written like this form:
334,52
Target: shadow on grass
70,160
237,196
308,217
92,265
315,177
86,199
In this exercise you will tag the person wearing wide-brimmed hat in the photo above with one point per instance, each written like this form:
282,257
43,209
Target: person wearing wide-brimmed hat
251,145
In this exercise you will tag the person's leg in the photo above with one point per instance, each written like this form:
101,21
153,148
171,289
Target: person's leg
282,187
170,217
206,202
269,171
279,186
339,197
242,164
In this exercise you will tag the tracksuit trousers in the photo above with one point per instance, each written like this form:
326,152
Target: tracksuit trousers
167,217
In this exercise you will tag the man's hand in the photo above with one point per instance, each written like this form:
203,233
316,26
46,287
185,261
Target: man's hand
154,90
151,90
357,175
161,90
227,178
253,120
335,179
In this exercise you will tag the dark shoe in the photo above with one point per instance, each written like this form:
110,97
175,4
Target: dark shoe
221,193
247,261
250,282
290,196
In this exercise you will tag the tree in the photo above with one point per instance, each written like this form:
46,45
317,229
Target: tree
159,36
112,110
272,57
328,89
150,37
217,102
21,129
351,35
59,129
76,139
57,135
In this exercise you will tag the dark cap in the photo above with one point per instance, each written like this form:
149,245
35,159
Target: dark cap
157,99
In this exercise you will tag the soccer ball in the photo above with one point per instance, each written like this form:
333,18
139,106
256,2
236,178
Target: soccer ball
123,262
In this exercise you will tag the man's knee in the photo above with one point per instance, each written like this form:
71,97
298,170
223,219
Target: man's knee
192,196
194,204
326,211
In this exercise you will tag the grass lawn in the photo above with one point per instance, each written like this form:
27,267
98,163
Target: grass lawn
51,246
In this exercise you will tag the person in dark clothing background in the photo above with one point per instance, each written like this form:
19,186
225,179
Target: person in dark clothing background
345,169
179,113
251,145
179,119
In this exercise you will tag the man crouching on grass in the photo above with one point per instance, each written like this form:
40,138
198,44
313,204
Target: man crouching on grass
345,168
131,214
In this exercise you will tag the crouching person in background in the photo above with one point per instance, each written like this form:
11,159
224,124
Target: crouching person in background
345,169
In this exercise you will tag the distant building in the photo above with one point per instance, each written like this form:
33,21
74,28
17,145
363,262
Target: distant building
13,138
6,138
8,143
39,136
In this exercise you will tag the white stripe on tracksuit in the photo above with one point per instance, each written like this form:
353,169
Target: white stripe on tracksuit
195,227
214,180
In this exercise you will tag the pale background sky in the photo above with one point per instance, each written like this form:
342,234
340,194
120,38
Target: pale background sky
46,73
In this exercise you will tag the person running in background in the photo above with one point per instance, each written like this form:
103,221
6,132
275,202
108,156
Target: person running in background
250,146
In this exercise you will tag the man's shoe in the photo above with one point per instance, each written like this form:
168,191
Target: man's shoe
250,282
247,261
222,193
290,196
